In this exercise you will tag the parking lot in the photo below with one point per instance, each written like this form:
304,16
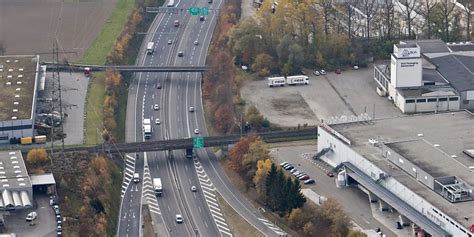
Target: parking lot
350,93
44,225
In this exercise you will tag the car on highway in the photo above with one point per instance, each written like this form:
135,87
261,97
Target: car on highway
191,109
158,86
193,188
196,131
176,23
309,181
136,177
31,216
179,218
180,54
195,42
209,1
156,107
157,121
201,18
170,41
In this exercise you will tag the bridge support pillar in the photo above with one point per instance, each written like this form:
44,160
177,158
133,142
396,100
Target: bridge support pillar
372,197
403,220
383,206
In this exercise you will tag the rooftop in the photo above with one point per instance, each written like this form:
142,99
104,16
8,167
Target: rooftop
427,91
13,173
416,136
457,69
17,86
430,46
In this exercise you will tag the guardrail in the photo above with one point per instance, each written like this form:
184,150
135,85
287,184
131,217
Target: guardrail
123,68
176,144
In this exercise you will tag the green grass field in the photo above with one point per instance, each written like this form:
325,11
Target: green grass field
94,108
112,28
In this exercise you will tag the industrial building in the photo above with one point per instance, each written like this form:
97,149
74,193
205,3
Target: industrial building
428,76
15,184
18,83
420,166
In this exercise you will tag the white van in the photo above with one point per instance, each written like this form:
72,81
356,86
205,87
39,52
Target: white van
150,47
136,177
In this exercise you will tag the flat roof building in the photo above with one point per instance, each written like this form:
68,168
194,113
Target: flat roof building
15,184
421,165
428,76
18,82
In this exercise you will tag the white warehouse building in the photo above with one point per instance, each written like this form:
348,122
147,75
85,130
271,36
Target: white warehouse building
422,166
428,76
18,83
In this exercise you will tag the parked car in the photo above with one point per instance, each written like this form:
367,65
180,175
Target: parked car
289,167
31,216
179,218
299,175
59,233
59,228
304,177
322,72
283,163
56,210
303,72
316,72
356,67
338,71
309,181
330,174
59,222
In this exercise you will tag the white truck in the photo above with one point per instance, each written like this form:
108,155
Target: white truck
276,81
297,80
157,186
147,128
150,47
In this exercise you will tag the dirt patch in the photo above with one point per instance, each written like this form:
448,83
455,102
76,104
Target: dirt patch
293,104
76,23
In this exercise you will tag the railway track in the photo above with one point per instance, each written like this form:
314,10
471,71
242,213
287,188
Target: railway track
174,144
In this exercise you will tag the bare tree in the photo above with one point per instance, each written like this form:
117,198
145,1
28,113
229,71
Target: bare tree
326,6
467,10
409,13
370,7
427,8
447,8
350,12
388,15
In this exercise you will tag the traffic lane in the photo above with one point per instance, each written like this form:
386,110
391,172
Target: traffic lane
355,202
168,202
129,221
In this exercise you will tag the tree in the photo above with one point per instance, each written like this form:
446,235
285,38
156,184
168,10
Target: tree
257,151
427,8
237,153
356,233
297,218
224,118
370,7
296,199
263,167
350,12
409,13
388,18
327,9
447,8
254,118
468,8
263,65
37,157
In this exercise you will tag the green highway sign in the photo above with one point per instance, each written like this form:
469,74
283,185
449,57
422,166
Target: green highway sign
198,142
205,11
194,11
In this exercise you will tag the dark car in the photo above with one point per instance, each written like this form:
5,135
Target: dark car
158,86
330,174
201,18
309,181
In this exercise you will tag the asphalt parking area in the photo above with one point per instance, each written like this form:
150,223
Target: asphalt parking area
334,95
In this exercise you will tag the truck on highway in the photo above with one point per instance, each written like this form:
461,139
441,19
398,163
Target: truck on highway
157,186
147,128
170,3
150,47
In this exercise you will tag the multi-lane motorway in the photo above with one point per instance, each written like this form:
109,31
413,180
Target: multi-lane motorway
200,210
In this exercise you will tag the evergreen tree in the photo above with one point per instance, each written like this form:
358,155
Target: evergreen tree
296,199
270,187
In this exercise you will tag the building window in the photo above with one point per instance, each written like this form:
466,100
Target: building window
430,83
421,101
3,137
409,101
443,99
432,100
453,98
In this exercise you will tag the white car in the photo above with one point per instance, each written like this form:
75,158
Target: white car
31,216
191,109
156,107
196,131
316,72
157,121
193,188
195,42
179,218
136,178
322,72
356,67
170,41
